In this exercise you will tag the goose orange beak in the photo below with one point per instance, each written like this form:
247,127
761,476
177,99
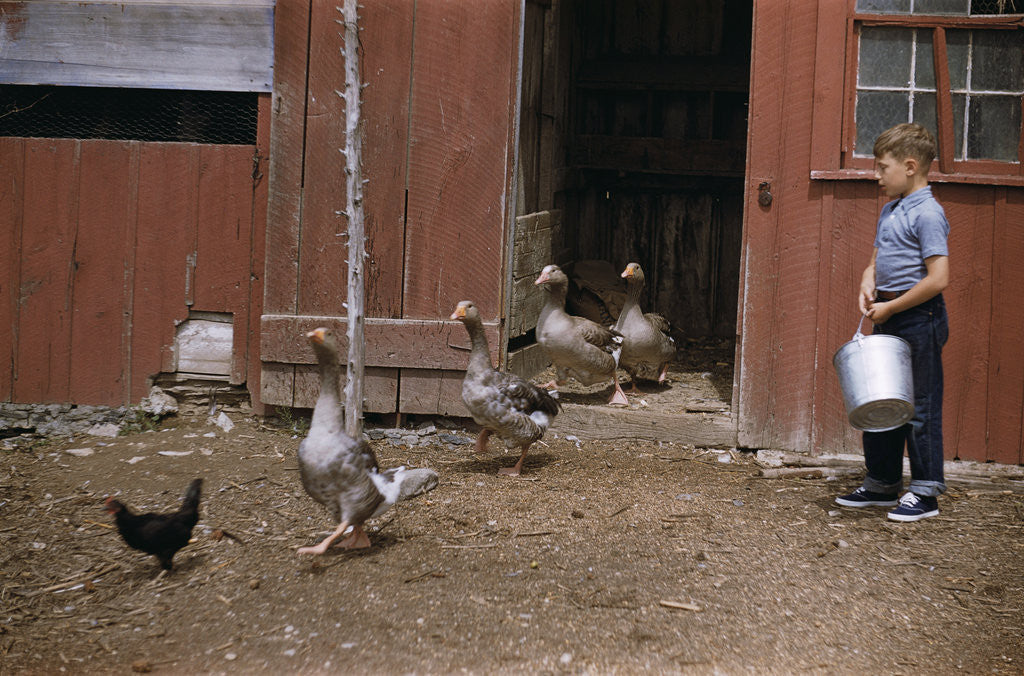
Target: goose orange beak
317,335
543,278
460,313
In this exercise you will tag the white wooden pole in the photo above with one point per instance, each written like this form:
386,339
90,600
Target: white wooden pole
353,153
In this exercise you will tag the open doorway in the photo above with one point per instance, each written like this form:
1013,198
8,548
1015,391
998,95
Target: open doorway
632,139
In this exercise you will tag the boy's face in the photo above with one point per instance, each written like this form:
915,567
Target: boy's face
894,175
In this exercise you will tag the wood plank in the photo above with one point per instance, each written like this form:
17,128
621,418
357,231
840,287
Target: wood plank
531,251
224,240
323,255
607,423
528,361
107,194
827,118
257,258
779,301
659,155
284,170
300,389
387,71
1005,411
692,74
848,224
432,392
464,94
164,255
430,344
12,192
227,47
49,217
969,302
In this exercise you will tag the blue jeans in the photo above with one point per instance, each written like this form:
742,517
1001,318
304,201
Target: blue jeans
926,328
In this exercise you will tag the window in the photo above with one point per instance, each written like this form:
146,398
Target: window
955,66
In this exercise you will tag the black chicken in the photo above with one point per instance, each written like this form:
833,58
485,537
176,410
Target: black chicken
161,535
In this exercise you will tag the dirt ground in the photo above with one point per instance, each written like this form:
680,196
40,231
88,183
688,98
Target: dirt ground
604,557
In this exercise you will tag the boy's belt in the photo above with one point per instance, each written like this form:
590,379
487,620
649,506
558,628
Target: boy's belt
888,295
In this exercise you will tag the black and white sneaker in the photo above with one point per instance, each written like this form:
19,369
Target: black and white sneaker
862,497
915,507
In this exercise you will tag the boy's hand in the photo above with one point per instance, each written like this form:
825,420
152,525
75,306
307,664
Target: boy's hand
880,312
866,298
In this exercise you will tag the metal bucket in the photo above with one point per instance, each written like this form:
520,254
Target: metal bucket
877,381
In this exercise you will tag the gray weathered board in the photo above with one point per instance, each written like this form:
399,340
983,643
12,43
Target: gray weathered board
588,422
531,251
216,45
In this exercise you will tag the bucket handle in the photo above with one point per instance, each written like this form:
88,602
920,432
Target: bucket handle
858,336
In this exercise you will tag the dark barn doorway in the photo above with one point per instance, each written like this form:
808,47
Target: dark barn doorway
633,135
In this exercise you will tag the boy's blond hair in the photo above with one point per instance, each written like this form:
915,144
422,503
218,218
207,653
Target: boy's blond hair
907,140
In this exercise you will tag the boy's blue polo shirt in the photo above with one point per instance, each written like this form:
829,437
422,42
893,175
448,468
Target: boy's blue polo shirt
909,230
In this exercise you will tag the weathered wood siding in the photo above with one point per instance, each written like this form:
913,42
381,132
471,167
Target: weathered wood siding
439,109
803,257
107,246
220,45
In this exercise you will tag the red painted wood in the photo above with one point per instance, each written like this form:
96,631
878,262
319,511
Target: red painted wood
322,270
782,244
984,372
12,190
850,223
108,194
386,72
831,37
42,360
284,171
260,197
944,107
224,240
165,242
463,102
969,300
1005,415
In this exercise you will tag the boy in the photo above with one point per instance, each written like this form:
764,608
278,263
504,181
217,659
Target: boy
901,292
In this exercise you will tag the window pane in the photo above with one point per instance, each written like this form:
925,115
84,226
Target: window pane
884,57
924,111
993,128
876,112
884,6
957,43
924,61
941,6
997,61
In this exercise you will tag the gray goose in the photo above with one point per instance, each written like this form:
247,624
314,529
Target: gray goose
338,471
647,349
501,403
577,347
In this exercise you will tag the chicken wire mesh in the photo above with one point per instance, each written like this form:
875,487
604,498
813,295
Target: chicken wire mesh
128,114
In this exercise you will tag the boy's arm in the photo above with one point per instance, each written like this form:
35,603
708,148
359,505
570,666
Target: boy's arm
867,285
934,282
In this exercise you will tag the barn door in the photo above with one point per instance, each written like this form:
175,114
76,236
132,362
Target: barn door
438,112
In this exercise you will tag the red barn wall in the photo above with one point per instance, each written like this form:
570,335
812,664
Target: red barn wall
107,245
803,257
